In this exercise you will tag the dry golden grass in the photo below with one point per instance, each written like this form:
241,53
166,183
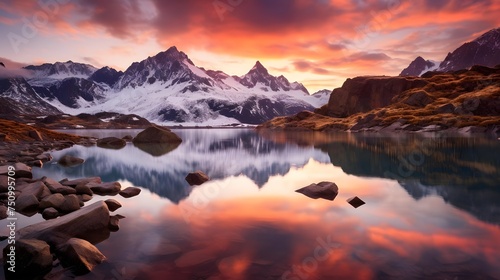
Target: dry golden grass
19,132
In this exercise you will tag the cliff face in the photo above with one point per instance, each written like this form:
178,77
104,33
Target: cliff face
363,94
436,101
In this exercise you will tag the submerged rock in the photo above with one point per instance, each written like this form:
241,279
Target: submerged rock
70,161
355,201
111,143
197,178
79,255
326,190
32,258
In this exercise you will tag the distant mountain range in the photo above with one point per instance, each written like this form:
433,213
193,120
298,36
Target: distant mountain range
166,88
484,50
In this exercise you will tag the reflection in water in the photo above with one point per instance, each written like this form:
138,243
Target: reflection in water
435,220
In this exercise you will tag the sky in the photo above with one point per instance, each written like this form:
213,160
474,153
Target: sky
319,43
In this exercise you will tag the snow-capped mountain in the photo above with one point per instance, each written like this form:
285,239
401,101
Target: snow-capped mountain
169,88
484,50
419,66
322,96
61,70
17,97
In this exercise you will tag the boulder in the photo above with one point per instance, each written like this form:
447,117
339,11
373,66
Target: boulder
355,201
27,204
21,170
325,190
84,197
3,212
56,187
155,134
89,223
35,134
53,200
130,192
111,143
418,99
83,189
32,260
36,163
111,188
112,204
196,178
81,181
38,189
50,213
79,255
71,203
70,161
4,183
114,223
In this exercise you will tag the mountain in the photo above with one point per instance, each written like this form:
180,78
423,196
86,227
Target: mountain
322,96
169,88
419,66
17,97
484,51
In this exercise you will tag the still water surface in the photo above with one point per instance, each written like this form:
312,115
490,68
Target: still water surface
432,206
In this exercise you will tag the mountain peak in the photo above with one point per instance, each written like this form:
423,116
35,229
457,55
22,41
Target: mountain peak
491,36
259,68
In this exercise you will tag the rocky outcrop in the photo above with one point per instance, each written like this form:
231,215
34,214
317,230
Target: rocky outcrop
363,94
418,67
463,101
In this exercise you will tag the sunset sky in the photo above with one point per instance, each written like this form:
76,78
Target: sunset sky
317,42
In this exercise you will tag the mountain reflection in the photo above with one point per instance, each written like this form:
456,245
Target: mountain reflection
463,170
220,153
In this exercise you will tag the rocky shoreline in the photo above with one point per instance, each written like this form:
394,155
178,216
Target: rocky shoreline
66,239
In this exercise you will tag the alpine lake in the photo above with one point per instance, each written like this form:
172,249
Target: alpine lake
432,206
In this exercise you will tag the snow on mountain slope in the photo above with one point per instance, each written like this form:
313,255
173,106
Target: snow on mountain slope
169,88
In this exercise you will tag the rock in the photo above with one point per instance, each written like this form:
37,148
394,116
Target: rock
114,223
111,143
35,135
155,134
326,190
81,181
128,138
44,157
130,192
79,255
50,213
157,149
112,204
84,197
111,188
89,223
4,183
446,109
38,189
70,161
71,203
355,201
196,178
32,259
53,200
56,187
83,189
21,170
418,99
3,212
27,204
36,163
